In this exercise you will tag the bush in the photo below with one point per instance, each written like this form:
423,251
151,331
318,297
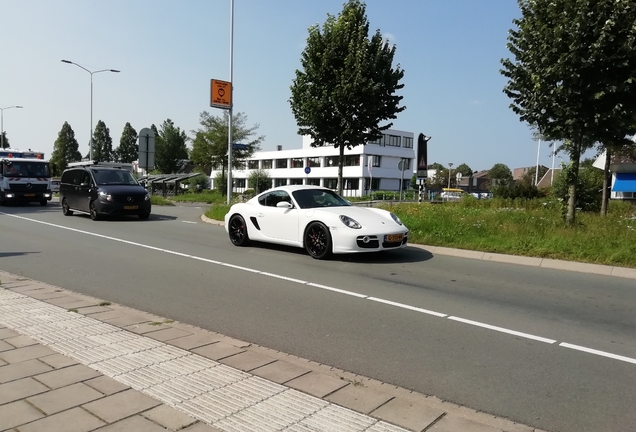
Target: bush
198,183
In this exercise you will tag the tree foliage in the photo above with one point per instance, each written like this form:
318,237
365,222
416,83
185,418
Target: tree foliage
259,180
500,174
589,185
347,84
65,150
573,73
128,150
170,147
5,140
102,143
464,169
209,147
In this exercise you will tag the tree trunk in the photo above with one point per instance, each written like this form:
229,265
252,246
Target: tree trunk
607,180
572,190
340,163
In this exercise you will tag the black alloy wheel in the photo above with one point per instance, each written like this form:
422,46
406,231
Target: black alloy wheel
318,241
66,211
238,231
94,213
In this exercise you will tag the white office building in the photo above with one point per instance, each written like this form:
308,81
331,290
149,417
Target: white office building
374,166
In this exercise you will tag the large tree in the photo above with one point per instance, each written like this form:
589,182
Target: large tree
102,143
5,140
573,74
500,174
170,147
65,150
209,147
128,150
347,84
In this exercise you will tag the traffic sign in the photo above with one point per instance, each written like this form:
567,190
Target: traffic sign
146,149
239,146
403,165
220,94
307,170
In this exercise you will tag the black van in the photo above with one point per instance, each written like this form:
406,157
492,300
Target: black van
99,190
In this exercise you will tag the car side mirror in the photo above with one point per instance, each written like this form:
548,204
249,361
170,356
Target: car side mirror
83,184
284,204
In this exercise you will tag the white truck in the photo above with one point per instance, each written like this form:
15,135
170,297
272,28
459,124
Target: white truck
24,177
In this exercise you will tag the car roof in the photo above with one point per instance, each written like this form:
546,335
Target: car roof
293,188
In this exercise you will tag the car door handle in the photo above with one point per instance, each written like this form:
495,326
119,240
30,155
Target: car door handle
260,215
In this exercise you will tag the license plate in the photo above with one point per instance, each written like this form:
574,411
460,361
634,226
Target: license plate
131,207
390,238
29,194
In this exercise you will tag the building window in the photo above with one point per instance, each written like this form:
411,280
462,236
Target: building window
375,160
331,161
313,162
297,163
392,140
252,164
281,163
331,183
239,183
351,184
379,141
375,183
280,182
241,165
266,164
313,181
352,160
407,142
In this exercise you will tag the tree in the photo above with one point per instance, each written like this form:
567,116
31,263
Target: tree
5,140
589,185
170,147
259,180
500,174
209,147
464,169
128,150
347,84
440,179
102,143
573,74
65,150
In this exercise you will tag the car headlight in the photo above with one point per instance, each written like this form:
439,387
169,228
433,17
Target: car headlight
396,219
351,223
105,196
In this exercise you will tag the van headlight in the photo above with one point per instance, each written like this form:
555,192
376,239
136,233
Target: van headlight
104,195
147,196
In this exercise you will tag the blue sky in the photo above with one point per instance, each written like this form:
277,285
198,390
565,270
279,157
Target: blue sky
168,50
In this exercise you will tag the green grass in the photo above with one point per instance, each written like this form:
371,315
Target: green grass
158,200
532,228
209,197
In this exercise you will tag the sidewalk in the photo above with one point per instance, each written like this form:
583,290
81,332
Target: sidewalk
73,363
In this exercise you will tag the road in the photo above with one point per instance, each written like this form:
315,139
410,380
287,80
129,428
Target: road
505,339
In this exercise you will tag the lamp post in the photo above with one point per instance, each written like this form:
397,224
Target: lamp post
450,169
90,150
2,123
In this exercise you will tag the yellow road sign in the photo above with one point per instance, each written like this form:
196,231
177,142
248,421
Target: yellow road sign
220,94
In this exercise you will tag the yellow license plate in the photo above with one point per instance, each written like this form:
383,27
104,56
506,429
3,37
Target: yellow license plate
29,194
393,238
131,207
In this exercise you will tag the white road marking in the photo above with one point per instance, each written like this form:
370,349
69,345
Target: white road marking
597,352
189,222
337,290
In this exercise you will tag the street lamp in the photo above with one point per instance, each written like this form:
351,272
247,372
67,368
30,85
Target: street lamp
90,150
2,123
450,169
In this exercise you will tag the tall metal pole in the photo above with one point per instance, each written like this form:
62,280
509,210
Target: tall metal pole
552,171
450,169
536,174
229,126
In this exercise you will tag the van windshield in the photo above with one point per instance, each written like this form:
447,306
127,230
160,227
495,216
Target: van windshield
113,177
26,169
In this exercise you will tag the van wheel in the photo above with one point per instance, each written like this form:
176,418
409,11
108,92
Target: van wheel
66,211
43,203
94,213
144,215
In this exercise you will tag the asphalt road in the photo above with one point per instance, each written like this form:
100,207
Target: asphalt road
500,338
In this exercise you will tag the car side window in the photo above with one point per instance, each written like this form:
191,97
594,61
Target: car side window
271,199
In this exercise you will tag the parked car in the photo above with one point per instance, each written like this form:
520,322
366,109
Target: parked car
101,190
314,218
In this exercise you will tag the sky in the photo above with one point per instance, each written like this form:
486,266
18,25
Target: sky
167,51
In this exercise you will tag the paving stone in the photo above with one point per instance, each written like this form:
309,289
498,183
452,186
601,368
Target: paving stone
20,389
408,413
63,300
58,361
248,360
27,353
452,423
280,371
167,334
200,427
64,398
106,385
17,413
75,304
121,405
20,341
74,420
359,398
93,309
113,313
146,328
169,417
8,333
46,295
128,320
194,341
317,384
136,424
217,350
66,376
24,369
5,346
3,363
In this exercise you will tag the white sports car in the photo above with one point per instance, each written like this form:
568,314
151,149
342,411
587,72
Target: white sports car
315,218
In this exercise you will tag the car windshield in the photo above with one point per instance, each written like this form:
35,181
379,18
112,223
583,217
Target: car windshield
312,198
114,177
27,169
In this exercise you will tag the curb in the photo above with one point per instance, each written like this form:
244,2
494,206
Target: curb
546,263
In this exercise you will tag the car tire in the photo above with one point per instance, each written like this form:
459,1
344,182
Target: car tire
93,211
144,215
317,241
66,211
237,230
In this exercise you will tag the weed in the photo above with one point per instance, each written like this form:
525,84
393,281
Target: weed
105,303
